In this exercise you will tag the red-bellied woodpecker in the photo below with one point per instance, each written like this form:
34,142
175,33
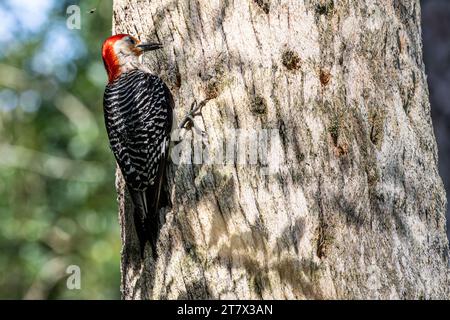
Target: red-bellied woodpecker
138,109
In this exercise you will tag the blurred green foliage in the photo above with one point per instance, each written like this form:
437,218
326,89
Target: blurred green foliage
57,198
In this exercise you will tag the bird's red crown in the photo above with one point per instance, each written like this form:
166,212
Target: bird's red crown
109,56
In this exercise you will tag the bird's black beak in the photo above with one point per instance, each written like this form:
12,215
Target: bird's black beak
149,46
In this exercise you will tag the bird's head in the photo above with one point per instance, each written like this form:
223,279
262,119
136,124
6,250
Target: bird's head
121,52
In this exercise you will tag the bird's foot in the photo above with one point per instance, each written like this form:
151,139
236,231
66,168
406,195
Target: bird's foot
188,121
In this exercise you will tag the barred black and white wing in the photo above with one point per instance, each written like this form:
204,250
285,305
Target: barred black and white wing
138,110
138,116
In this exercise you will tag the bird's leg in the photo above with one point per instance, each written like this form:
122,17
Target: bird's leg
188,121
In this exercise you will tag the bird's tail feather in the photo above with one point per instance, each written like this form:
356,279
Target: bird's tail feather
146,209
146,217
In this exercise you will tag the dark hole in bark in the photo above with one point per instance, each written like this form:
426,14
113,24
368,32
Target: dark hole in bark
290,60
259,105
264,5
325,77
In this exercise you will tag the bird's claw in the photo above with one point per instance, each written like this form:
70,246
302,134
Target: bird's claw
188,121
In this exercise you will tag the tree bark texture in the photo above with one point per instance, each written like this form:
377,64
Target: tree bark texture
352,205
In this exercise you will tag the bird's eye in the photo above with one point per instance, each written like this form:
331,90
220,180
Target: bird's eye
132,41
